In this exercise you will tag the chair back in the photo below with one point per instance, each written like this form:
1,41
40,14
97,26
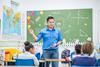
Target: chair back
38,55
24,62
98,62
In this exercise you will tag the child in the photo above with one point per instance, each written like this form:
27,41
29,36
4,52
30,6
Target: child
29,53
77,51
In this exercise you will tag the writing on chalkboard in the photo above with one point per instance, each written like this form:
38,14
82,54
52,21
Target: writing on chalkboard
73,23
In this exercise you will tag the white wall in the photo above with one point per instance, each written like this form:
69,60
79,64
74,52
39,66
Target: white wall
56,4
26,5
96,22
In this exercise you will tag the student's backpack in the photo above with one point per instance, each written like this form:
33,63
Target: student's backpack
65,53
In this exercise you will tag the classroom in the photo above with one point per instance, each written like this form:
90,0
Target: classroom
50,33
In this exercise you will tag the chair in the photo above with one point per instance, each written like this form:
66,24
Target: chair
38,55
73,53
64,54
98,63
24,62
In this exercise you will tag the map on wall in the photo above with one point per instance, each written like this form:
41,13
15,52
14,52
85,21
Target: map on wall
75,24
11,22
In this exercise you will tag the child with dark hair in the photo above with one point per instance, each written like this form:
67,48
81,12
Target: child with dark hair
26,43
29,53
77,51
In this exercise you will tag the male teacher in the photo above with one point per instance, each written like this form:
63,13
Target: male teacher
52,38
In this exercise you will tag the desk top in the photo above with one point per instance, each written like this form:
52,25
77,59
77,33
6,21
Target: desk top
51,60
41,60
55,60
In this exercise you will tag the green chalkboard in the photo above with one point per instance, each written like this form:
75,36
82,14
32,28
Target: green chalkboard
73,23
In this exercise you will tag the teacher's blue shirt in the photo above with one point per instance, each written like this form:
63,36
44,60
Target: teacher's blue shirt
50,37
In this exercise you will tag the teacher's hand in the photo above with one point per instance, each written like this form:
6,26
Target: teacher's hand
54,45
31,31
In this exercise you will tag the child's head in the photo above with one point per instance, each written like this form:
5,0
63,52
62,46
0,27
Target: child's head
78,48
26,43
87,48
29,47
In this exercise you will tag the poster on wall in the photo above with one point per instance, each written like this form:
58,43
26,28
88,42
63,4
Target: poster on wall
11,23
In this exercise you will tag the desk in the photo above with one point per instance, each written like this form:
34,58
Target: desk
42,63
55,60
50,60
41,60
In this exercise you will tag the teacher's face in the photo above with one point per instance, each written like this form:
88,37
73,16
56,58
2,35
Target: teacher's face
51,23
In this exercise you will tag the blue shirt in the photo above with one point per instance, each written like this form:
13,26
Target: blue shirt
84,61
50,37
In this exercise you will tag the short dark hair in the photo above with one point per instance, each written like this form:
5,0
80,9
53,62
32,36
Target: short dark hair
28,45
27,48
78,48
50,17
